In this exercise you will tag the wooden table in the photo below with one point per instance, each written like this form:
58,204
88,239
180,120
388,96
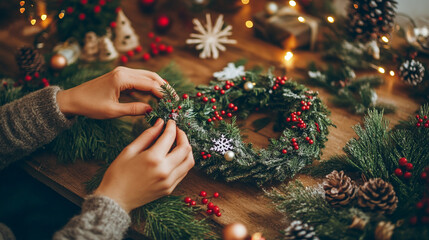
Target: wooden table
240,203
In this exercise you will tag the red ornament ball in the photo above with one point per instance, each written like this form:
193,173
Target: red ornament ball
216,195
36,75
213,100
162,48
402,161
311,141
398,172
203,193
407,175
185,96
413,220
222,91
199,94
187,200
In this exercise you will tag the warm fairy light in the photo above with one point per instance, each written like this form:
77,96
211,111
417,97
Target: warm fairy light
43,17
355,6
392,73
301,19
22,10
330,19
33,21
245,2
22,3
381,70
61,15
249,24
292,3
385,39
288,56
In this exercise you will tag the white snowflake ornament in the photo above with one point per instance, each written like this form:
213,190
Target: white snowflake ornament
221,145
230,72
211,38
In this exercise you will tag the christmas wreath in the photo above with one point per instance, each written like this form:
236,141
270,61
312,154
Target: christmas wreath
218,147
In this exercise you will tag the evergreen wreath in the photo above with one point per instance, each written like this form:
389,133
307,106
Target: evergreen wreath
218,147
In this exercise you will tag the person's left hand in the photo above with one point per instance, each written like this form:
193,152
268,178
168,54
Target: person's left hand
98,98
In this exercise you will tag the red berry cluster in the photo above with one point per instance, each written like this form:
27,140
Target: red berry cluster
211,208
294,144
156,48
317,127
305,105
424,175
422,121
279,81
34,79
404,168
228,85
205,155
217,113
422,212
294,118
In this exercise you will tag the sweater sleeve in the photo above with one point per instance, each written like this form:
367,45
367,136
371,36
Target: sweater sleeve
101,218
29,123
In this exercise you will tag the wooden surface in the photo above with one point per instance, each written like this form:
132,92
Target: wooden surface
240,203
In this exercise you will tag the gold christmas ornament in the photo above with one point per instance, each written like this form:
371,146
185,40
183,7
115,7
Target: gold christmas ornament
358,223
248,86
271,8
58,62
384,231
339,189
377,195
235,231
229,156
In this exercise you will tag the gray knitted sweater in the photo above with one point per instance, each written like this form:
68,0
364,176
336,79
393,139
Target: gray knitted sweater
35,120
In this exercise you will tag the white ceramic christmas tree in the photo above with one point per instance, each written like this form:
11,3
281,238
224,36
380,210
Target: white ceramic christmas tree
126,39
107,50
90,49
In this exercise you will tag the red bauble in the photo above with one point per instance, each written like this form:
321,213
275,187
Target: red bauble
402,161
231,106
216,88
407,175
162,23
162,48
222,91
97,9
203,193
45,82
185,96
36,75
199,94
216,195
187,200
398,172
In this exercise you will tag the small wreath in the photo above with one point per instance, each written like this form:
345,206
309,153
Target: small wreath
217,145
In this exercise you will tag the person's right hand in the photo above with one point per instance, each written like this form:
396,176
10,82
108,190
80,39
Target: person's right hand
148,168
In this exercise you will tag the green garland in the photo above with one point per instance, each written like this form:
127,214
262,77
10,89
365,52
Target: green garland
374,154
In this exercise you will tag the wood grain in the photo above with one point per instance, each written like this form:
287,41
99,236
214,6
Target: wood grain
239,202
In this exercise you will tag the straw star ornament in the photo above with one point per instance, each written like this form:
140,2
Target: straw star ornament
210,39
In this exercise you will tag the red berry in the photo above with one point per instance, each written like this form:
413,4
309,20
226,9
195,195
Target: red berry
209,211
97,9
162,47
112,24
203,194
81,16
185,96
296,147
199,94
402,161
45,82
418,124
36,75
222,91
216,209
193,203
274,88
227,87
303,108
311,141
169,49
244,78
417,116
155,51
69,10
407,175
287,119
307,138
130,53
209,155
398,172
420,120
425,117
426,125
84,2
284,151
216,87
28,78
282,82
216,195
210,205
124,59
151,35
146,56
420,205
117,10
293,139
229,114
413,220
209,120
102,2
205,99
235,108
203,153
179,107
214,107
424,175
409,166
218,214
213,100
222,112
231,105
187,200
158,39
302,102
138,49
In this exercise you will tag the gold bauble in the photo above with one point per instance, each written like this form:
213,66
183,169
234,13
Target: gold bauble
58,62
229,155
235,231
248,86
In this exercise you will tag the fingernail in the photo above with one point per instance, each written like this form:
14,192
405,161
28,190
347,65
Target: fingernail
172,121
158,122
149,110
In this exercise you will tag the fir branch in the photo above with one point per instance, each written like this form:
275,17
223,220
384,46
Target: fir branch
323,168
176,79
8,92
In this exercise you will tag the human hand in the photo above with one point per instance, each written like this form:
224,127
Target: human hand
146,169
98,98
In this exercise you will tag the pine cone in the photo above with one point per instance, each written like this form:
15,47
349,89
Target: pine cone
29,61
412,72
298,230
378,196
384,231
371,19
339,189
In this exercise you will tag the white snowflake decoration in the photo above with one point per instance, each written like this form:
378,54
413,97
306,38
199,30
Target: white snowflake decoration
221,145
211,38
230,72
